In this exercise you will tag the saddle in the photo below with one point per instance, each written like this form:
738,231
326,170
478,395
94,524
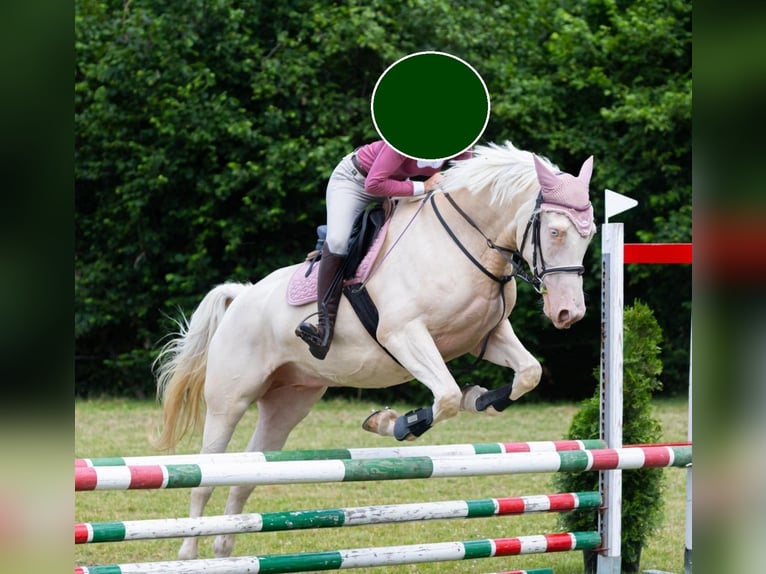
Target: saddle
365,242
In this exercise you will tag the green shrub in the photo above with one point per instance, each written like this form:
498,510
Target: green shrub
642,502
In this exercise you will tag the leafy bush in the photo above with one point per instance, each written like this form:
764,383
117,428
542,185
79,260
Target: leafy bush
642,501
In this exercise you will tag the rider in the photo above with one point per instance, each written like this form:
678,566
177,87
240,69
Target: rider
369,174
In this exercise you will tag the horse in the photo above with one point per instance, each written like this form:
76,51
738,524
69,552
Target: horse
444,284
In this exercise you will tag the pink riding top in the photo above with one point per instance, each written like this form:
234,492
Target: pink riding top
388,171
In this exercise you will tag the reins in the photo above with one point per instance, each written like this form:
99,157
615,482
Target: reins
391,248
515,259
502,280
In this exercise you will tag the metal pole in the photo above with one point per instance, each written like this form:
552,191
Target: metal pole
609,560
688,549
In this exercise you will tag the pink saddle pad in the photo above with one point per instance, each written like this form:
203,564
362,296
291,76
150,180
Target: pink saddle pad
302,290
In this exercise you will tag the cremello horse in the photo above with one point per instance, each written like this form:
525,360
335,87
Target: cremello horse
444,286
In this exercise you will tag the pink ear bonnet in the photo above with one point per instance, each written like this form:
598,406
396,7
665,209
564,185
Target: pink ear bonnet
567,194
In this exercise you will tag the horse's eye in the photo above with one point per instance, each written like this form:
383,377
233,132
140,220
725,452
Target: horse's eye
554,232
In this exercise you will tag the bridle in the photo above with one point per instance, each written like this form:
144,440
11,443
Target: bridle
513,257
538,272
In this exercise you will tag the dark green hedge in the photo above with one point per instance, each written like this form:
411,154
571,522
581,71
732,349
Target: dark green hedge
206,130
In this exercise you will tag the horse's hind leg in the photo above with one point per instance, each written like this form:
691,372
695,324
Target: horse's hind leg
219,427
279,412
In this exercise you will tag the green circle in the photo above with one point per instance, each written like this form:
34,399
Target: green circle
430,106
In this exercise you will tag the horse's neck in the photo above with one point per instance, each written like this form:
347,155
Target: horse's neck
503,225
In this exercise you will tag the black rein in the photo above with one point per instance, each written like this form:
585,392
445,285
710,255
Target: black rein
515,259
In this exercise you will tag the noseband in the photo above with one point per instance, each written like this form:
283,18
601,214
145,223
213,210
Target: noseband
538,272
515,259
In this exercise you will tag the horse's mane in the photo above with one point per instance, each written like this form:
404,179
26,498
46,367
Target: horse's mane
504,169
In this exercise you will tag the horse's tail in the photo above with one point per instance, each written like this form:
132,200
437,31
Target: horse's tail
180,366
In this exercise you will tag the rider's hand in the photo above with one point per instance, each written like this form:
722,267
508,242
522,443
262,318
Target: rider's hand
433,183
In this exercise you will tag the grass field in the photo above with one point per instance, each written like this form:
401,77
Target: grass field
121,427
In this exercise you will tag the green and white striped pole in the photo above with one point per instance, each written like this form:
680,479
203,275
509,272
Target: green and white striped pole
364,557
445,450
119,531
294,472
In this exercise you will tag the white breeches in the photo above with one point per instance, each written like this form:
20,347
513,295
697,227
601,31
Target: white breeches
346,199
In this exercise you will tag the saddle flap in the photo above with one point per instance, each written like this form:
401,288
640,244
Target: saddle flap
369,233
366,228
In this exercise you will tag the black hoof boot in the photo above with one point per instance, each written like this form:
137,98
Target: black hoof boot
411,425
499,399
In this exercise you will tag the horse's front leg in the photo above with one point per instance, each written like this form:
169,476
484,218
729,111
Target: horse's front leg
415,349
504,349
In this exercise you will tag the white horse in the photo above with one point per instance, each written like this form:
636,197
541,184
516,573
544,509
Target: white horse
444,287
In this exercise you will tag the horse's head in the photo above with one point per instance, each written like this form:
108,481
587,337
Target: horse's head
556,238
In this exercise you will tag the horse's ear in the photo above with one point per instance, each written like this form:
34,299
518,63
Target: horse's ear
586,171
545,176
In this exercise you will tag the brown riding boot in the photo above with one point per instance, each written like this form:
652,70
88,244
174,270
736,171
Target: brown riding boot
329,285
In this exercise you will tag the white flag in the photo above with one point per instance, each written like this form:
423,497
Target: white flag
615,203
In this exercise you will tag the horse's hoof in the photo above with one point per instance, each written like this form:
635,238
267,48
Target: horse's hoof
381,422
470,394
468,401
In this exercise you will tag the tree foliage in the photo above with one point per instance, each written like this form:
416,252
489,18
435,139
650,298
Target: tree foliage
206,131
